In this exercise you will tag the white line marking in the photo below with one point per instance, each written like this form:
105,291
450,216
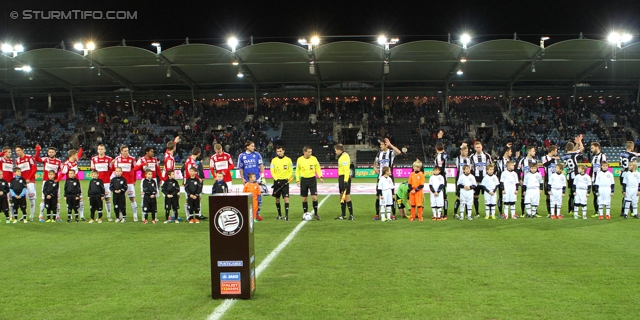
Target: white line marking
219,312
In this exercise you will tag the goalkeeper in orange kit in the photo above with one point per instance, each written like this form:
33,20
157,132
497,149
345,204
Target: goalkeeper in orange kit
416,186
254,188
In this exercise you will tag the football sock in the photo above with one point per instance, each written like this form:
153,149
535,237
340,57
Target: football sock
279,208
100,214
343,207
600,210
108,205
305,206
548,200
522,205
81,204
534,210
377,206
153,215
608,210
315,207
134,210
381,216
420,211
388,212
513,210
350,207
528,209
476,204
286,208
413,212
32,207
434,211
41,208
439,212
446,205
469,210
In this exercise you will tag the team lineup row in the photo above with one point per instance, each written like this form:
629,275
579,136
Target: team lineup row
477,174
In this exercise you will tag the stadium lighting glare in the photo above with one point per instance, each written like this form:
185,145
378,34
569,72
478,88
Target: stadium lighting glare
233,43
18,48
91,46
465,39
240,74
315,40
542,40
463,59
158,47
23,68
382,40
302,42
235,62
626,37
459,72
6,48
78,46
85,49
617,39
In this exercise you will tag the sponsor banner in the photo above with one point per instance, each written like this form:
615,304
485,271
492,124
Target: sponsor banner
230,283
233,263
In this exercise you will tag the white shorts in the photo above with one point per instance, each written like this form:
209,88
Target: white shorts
580,197
31,190
632,197
107,191
466,197
490,199
437,202
556,198
532,197
387,198
604,198
510,194
131,190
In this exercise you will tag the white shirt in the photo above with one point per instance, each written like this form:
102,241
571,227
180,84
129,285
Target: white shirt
631,179
436,181
604,180
557,181
385,183
490,182
467,180
582,182
509,179
532,180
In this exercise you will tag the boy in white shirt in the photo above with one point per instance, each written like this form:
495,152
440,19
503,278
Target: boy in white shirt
509,185
604,186
490,184
557,184
581,186
437,185
631,191
532,189
386,186
467,184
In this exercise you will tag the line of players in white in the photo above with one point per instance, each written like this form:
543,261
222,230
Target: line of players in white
500,181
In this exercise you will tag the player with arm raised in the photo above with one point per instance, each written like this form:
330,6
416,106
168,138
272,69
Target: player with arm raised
102,164
571,160
385,158
50,163
169,160
441,162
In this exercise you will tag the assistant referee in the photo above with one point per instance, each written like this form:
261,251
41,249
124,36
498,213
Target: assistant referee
344,181
307,168
282,172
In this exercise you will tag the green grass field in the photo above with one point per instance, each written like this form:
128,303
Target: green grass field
362,269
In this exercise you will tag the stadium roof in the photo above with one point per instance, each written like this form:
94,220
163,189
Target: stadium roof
491,64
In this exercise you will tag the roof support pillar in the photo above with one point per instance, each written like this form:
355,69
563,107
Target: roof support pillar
445,107
133,109
318,100
73,106
13,103
255,99
575,91
638,97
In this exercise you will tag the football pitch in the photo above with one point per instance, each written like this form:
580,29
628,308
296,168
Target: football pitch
362,269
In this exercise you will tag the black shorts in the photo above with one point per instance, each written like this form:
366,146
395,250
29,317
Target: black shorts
308,185
149,204
344,186
171,203
280,189
95,203
4,203
400,203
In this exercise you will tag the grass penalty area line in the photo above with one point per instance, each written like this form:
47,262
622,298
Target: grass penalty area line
220,311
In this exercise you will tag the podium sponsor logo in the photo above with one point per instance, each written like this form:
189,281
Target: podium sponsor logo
252,258
228,221
234,263
253,279
230,283
250,219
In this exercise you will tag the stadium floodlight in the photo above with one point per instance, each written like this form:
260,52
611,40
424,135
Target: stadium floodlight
6,48
158,47
542,40
382,40
459,72
23,68
85,49
465,39
18,48
463,59
315,40
235,62
626,37
240,74
233,43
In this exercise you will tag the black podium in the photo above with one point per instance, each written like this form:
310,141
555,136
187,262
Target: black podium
233,272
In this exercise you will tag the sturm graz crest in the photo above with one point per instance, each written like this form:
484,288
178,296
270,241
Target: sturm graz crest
228,221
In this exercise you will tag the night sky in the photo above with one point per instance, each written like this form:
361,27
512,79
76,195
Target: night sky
171,21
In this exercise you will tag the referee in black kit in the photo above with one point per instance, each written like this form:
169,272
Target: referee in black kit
344,181
307,167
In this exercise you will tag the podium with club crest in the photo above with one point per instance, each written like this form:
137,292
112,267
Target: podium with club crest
233,273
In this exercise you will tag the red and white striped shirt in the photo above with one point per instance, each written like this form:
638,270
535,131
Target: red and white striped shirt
66,166
190,163
7,169
151,164
221,163
27,165
169,165
128,168
103,166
